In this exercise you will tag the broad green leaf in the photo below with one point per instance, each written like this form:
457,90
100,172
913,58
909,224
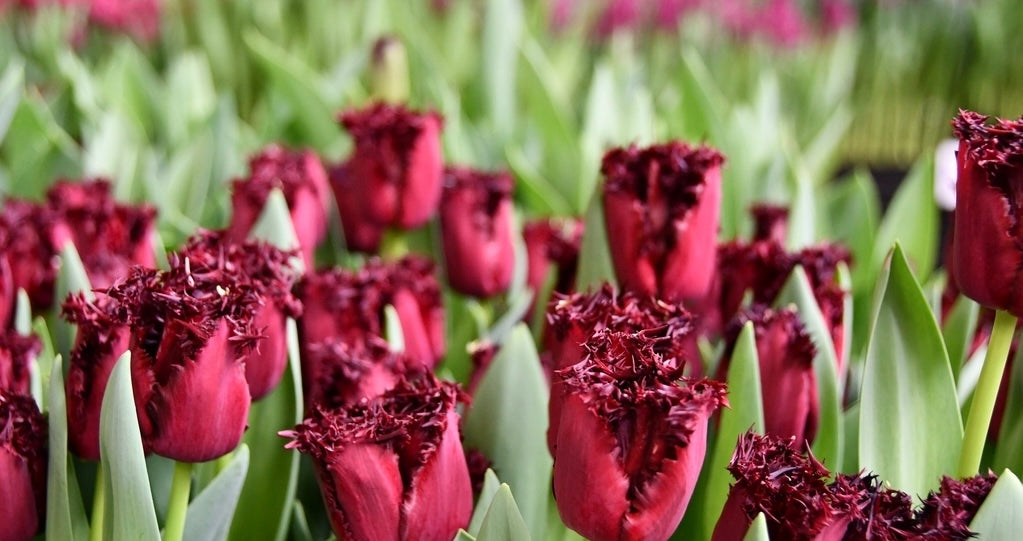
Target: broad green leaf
10,93
65,513
210,513
300,524
392,329
910,427
746,412
851,435
71,278
487,493
46,358
827,446
959,330
757,529
1001,514
274,224
36,147
129,501
851,215
1009,449
508,423
267,505
912,221
503,521
502,31
601,126
594,250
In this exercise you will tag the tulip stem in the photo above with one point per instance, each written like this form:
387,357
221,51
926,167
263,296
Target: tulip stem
180,488
98,505
984,395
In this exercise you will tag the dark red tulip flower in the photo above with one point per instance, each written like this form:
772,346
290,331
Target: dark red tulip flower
392,467
8,293
23,456
337,374
987,248
269,272
770,223
631,440
301,178
17,352
552,246
787,381
476,223
947,513
661,210
396,166
362,232
27,245
191,328
102,337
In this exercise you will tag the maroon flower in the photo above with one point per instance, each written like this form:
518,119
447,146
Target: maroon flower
26,243
476,223
17,353
787,380
337,374
396,165
661,208
393,467
947,513
138,18
631,440
23,456
988,245
302,179
269,272
8,298
101,339
362,233
552,244
770,223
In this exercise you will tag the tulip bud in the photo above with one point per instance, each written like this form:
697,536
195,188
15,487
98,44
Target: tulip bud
23,456
393,467
390,70
17,353
301,178
987,250
396,166
631,440
770,223
26,243
362,233
101,339
337,374
551,244
476,223
661,208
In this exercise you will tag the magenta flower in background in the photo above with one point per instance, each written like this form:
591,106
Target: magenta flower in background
362,233
303,181
17,352
770,223
23,456
552,246
26,244
137,18
392,467
661,209
337,374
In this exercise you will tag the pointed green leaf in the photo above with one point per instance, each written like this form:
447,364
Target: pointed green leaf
503,521
508,423
594,251
23,313
502,31
65,513
300,524
758,529
71,278
912,221
487,493
46,358
11,83
851,435
910,428
851,215
392,329
958,331
1009,449
129,501
210,513
274,226
1001,514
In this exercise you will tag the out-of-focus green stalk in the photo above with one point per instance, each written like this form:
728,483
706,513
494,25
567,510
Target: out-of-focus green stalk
98,506
180,487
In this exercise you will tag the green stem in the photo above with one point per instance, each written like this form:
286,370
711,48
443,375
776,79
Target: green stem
180,487
98,505
394,245
984,395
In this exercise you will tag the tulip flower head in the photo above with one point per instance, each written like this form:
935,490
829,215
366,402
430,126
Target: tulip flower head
338,374
550,244
27,247
362,233
17,352
476,224
661,210
391,467
23,457
770,223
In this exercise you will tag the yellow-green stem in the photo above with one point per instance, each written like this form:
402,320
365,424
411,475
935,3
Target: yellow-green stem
180,487
986,392
98,506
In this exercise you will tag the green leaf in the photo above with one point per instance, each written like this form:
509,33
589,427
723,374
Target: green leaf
274,224
487,493
746,412
23,313
912,221
300,524
46,358
757,529
503,521
129,501
594,250
502,31
910,427
1001,514
11,83
1009,449
851,214
851,435
268,505
827,446
65,513
960,327
210,513
508,423
392,329
71,278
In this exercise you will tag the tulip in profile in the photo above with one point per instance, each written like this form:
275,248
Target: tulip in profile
17,352
552,246
393,467
23,456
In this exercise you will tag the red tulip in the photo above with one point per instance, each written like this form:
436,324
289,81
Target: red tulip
301,178
101,339
337,374
393,467
661,207
476,224
362,233
26,243
17,353
8,300
988,252
23,456
396,165
770,223
550,244
138,18
631,440
787,381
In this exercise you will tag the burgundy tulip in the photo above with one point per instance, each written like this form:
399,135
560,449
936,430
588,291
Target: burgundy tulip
301,178
17,352
552,246
396,165
770,223
476,224
23,456
789,386
27,245
988,245
8,300
138,18
337,374
661,209
631,440
362,232
101,339
393,467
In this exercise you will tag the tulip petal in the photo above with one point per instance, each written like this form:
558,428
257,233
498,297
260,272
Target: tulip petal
431,518
362,489
265,366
